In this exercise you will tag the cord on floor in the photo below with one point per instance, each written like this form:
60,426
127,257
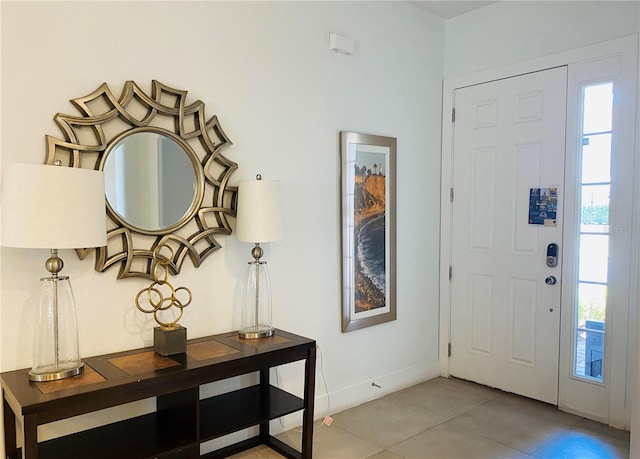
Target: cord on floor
327,420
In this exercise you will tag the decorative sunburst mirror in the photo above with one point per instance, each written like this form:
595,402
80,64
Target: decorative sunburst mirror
166,182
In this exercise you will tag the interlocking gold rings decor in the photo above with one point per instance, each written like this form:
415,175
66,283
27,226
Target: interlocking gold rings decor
157,296
104,124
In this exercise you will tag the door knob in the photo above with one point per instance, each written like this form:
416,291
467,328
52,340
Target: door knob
551,280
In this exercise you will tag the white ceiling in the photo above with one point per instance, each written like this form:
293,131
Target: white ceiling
448,9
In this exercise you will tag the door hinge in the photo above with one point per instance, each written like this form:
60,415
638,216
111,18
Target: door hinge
450,272
451,194
449,349
453,115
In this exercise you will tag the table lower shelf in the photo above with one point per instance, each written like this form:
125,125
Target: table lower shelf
153,435
275,444
244,408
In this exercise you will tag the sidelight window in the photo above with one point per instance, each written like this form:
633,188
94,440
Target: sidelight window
594,230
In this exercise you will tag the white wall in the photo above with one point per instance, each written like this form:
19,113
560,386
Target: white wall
508,32
282,97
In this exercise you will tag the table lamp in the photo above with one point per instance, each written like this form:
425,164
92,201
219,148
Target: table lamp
54,207
259,220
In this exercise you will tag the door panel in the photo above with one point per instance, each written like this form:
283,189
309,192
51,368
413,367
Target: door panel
508,139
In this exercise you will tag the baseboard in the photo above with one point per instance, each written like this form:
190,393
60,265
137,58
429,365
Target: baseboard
586,415
365,391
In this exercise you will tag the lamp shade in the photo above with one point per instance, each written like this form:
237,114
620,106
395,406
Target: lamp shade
53,207
259,217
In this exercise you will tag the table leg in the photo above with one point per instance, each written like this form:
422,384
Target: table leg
10,444
264,387
309,394
30,447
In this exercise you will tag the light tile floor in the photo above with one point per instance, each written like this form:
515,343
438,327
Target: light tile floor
450,418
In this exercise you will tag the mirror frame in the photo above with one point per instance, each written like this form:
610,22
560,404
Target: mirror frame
104,121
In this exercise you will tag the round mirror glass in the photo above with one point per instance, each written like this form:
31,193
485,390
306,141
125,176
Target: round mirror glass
150,181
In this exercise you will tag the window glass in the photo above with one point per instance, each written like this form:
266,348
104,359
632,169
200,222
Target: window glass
594,214
594,255
592,299
598,105
596,158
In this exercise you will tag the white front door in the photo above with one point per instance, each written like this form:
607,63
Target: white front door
508,178
482,230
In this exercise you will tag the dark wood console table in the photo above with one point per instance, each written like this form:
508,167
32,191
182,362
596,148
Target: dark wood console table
181,421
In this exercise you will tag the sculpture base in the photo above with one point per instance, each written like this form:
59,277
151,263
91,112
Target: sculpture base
170,341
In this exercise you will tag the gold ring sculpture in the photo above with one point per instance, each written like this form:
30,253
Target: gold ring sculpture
158,300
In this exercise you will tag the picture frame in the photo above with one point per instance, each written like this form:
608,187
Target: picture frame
368,222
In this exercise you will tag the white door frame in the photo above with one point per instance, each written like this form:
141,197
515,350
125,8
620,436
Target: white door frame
618,413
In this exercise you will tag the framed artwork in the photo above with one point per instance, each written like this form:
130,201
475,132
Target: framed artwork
368,185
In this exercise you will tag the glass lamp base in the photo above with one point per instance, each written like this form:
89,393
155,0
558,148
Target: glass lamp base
56,374
55,351
256,311
256,332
